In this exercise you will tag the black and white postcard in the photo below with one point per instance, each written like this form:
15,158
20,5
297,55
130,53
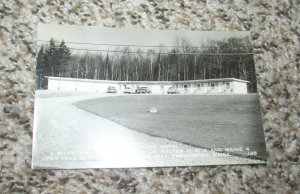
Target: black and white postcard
127,97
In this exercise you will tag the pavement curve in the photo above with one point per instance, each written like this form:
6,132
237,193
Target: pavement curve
66,137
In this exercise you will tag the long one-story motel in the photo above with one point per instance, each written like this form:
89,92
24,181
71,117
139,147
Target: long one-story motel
207,86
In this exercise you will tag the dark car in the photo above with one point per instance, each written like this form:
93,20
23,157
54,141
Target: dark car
173,90
143,90
111,89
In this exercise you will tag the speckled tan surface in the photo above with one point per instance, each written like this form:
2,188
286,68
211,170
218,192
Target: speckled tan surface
274,26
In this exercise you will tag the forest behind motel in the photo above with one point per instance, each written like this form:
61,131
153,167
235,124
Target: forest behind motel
192,66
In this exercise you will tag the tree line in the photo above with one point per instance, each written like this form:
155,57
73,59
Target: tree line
227,58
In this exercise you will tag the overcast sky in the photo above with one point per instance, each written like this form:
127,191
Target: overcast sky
125,36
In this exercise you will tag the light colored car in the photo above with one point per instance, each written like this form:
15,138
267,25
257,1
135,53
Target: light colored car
111,89
143,90
173,90
129,90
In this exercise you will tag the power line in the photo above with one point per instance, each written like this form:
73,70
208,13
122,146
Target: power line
170,53
134,45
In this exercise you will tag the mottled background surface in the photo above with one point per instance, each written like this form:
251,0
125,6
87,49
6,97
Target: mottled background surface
275,31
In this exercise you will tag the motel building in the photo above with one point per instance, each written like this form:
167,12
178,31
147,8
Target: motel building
207,86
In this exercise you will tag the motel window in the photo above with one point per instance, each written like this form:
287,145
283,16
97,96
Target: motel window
198,86
185,86
227,85
212,85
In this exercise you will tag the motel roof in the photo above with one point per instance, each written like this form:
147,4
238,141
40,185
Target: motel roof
148,82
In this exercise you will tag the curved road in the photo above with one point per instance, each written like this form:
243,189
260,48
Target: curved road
68,137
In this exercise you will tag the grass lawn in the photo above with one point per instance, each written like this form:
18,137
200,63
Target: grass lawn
221,121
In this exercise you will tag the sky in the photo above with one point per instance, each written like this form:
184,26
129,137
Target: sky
125,36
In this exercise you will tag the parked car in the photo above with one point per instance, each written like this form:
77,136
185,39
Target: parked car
129,90
143,90
173,90
111,89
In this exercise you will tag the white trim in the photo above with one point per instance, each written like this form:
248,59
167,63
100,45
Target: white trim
148,82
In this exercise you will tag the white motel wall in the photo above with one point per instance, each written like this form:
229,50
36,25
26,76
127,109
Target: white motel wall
208,86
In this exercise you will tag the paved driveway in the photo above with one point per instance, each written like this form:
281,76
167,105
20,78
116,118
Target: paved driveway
68,137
